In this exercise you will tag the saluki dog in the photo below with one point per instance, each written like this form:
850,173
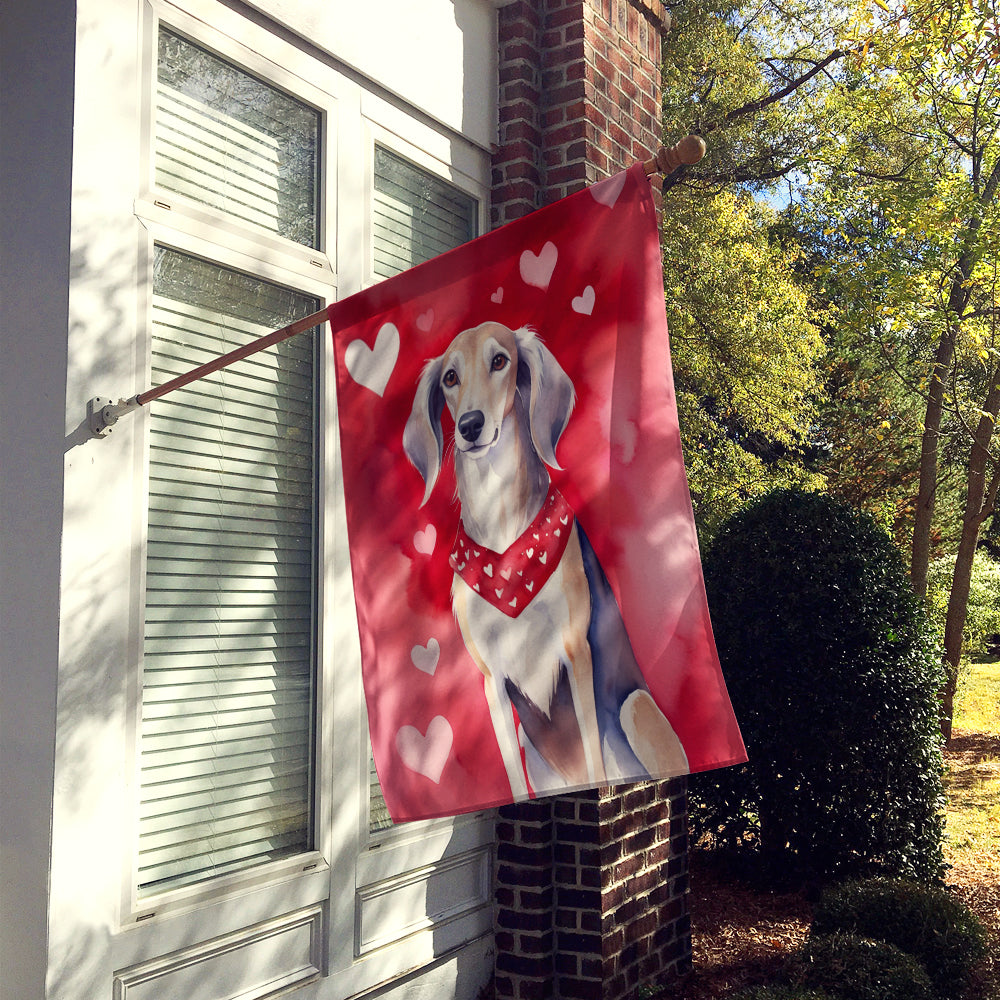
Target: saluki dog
533,605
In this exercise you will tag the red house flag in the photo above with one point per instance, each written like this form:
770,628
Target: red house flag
526,571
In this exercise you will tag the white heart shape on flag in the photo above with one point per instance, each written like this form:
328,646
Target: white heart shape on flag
606,193
426,754
497,296
488,569
536,269
426,658
424,541
372,366
628,440
425,321
584,304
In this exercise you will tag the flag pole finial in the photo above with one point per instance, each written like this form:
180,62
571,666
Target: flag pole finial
688,151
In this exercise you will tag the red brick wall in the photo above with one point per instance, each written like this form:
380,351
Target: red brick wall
579,96
591,889
591,893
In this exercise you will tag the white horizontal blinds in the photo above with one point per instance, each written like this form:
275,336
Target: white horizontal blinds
228,140
416,217
228,656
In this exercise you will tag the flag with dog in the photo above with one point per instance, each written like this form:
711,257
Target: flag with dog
527,579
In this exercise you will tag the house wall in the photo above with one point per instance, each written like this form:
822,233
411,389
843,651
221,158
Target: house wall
429,55
74,293
412,912
36,117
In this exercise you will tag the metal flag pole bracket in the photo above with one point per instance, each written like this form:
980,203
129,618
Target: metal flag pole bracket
103,413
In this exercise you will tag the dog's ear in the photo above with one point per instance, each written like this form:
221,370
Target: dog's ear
548,392
423,440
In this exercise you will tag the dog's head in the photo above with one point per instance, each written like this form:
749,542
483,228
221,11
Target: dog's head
479,377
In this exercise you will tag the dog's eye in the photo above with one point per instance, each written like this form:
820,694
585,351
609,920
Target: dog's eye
500,362
450,379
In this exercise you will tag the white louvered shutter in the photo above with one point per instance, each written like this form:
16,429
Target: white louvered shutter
228,673
416,216
228,690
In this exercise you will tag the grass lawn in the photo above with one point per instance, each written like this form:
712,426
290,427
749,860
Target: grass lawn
973,810
974,770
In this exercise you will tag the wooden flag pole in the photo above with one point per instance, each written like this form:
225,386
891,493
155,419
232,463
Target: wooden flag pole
103,413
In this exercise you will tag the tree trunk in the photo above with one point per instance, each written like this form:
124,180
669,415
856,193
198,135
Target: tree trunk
958,299
920,553
980,498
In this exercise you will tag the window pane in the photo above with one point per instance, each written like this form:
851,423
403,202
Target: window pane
228,140
416,217
228,657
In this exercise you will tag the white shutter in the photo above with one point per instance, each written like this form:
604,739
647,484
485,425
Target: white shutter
416,216
228,659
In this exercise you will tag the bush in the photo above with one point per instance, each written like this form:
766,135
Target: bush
856,968
833,672
925,922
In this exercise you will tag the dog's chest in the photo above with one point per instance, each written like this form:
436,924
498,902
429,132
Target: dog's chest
529,649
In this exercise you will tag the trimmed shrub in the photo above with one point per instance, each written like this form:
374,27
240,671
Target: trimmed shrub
833,672
856,968
925,922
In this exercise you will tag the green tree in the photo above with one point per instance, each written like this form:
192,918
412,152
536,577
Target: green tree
879,121
748,358
912,189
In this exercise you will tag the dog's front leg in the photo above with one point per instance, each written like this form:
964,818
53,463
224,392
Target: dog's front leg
503,727
581,675
497,699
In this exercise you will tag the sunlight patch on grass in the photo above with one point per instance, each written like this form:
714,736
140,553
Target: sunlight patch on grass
977,702
973,780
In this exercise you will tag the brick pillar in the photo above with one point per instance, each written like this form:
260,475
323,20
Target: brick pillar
591,889
579,96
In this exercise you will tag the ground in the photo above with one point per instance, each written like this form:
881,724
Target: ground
741,935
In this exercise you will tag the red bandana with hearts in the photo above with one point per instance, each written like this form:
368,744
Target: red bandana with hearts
510,581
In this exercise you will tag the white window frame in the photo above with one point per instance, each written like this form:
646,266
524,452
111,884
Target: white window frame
180,224
350,874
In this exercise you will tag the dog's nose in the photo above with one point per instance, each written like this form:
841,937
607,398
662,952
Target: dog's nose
470,424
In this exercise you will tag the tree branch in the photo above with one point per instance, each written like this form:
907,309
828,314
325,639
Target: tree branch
754,106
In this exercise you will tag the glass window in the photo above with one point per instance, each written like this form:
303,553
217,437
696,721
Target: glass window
228,680
226,139
416,215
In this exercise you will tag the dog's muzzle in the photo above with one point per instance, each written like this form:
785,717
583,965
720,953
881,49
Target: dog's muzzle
470,425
